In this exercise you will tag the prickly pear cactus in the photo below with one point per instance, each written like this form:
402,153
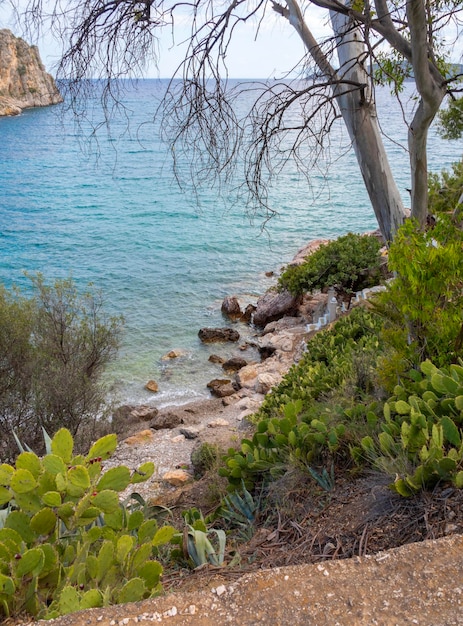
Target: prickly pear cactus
67,543
422,430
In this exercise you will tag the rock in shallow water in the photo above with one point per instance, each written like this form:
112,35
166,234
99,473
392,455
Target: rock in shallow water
212,335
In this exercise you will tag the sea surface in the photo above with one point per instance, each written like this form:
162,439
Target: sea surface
104,207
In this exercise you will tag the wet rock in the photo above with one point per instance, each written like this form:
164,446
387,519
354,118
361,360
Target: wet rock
213,335
221,387
215,358
273,306
173,354
234,364
152,386
231,308
248,313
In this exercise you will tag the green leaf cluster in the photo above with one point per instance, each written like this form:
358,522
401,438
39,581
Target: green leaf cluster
421,438
67,543
423,305
349,263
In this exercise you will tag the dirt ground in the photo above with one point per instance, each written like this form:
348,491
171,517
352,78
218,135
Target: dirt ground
420,583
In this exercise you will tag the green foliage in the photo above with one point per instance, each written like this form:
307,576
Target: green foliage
451,120
423,305
67,543
392,70
445,189
294,425
348,264
204,457
55,346
421,438
200,544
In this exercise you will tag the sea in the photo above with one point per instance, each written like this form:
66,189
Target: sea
102,204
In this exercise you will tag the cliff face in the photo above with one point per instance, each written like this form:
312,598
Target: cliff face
23,80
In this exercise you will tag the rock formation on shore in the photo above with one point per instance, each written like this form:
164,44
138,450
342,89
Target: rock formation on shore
24,83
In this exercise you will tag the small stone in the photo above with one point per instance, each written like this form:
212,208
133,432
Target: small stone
144,436
152,386
215,358
218,422
178,438
177,478
173,354
220,590
192,609
190,432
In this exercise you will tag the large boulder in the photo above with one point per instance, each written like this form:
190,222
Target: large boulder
214,335
165,421
231,308
275,305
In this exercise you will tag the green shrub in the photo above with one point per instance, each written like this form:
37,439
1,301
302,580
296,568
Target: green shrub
423,305
348,264
66,541
54,346
421,438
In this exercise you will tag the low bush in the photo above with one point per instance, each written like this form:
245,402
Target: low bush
54,347
348,264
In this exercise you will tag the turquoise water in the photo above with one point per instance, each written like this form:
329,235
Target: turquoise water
108,211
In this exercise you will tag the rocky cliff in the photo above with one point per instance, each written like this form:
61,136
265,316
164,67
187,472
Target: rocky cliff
24,82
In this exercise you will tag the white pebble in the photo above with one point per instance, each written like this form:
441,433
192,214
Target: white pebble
221,590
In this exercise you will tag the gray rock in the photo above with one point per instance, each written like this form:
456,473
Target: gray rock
191,432
273,306
144,413
213,335
165,421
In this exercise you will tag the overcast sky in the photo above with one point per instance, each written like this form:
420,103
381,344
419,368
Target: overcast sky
265,50
256,51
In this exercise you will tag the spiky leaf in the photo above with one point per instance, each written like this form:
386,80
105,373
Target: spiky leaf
31,562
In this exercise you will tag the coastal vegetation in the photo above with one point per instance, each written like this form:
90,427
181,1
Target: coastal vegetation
55,345
376,397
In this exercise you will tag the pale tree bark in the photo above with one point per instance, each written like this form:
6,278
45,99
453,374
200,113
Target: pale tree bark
432,90
352,91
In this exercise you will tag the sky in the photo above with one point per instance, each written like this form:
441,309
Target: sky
264,50
274,50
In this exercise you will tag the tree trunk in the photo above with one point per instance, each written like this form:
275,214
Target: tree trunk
359,113
351,90
431,87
